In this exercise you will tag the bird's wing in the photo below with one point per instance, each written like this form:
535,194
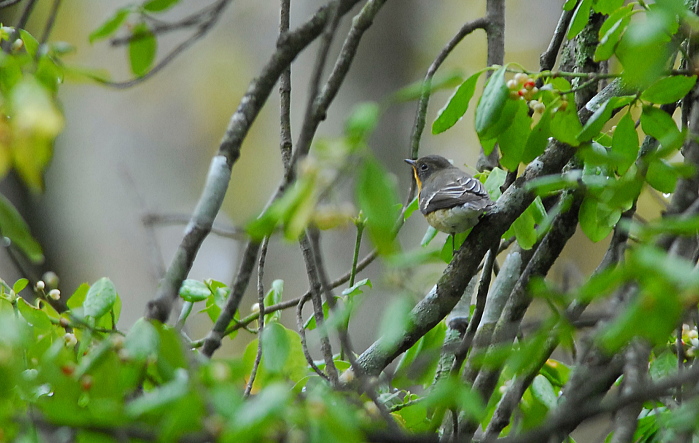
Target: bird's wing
458,190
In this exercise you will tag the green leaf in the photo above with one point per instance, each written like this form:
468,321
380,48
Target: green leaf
669,89
362,121
625,143
142,341
378,199
493,112
596,220
456,106
601,115
194,291
395,320
645,48
607,7
78,298
565,126
356,289
580,18
142,49
293,209
273,297
160,397
35,317
20,285
539,137
275,347
611,31
496,178
30,43
100,298
510,141
13,226
524,227
159,5
542,390
418,364
110,26
569,5
430,234
662,176
661,126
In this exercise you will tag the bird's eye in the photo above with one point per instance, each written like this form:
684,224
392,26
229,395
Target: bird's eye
424,167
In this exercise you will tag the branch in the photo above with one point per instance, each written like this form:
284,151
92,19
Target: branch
419,125
228,153
547,60
589,409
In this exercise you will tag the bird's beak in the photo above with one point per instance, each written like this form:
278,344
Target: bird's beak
410,162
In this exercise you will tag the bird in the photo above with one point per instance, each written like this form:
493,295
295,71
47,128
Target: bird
451,200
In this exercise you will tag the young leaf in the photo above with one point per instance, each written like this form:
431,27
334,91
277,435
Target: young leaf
625,143
611,31
492,105
142,49
100,298
510,141
159,5
142,341
275,347
273,297
15,228
194,291
669,89
538,138
110,26
20,285
456,106
660,125
565,126
596,220
662,176
580,18
30,43
377,198
362,121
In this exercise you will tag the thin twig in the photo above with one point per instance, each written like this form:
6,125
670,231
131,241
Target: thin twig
261,307
50,21
345,341
213,339
318,314
204,28
6,3
420,115
218,229
197,19
302,333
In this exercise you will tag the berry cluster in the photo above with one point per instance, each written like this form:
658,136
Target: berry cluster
690,341
522,87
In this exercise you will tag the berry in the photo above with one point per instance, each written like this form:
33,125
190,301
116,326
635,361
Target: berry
521,78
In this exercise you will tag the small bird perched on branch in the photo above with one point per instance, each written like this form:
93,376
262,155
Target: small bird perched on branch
451,200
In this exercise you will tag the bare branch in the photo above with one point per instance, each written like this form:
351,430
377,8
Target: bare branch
219,177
